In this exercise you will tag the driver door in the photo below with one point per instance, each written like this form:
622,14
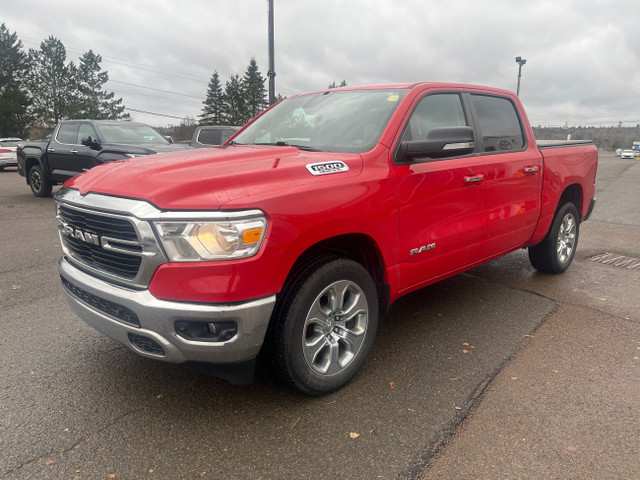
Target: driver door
440,200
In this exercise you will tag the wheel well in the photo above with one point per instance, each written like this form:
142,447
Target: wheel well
357,247
572,194
29,163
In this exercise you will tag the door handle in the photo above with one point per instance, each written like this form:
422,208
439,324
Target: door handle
531,169
51,150
74,151
473,179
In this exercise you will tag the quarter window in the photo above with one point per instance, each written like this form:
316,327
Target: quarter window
498,123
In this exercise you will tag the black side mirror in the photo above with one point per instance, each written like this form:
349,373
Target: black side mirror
89,142
441,142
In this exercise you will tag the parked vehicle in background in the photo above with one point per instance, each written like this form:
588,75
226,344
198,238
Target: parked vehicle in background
628,154
8,148
78,145
294,236
208,136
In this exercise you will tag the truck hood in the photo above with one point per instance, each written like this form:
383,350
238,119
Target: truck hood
206,179
143,149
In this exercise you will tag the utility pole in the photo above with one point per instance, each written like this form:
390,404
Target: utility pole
271,74
520,61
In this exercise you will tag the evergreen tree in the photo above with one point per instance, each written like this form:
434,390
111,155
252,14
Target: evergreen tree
52,84
343,83
93,101
14,100
212,110
234,107
254,90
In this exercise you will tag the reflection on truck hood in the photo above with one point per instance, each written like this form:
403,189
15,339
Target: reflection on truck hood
206,179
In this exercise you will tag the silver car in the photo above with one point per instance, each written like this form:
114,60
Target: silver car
8,148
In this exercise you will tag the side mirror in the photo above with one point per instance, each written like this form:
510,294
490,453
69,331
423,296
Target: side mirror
441,142
168,138
89,142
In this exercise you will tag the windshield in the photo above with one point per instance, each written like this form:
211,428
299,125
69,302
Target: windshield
335,121
131,133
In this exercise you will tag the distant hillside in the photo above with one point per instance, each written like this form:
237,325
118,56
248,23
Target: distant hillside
607,138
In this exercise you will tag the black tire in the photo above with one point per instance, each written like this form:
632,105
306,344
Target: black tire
40,186
555,253
1,167
324,325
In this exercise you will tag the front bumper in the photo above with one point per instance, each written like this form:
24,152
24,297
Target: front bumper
147,325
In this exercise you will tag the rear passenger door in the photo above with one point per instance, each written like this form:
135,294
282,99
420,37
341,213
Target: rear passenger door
513,174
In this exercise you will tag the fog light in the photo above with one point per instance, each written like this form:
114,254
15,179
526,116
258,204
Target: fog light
206,331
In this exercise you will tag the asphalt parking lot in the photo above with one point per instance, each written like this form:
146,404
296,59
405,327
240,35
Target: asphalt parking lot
75,404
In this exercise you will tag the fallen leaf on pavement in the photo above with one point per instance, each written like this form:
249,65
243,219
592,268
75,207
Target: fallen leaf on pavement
354,435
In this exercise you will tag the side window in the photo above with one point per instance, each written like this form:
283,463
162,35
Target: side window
86,130
209,136
437,110
498,123
68,133
226,134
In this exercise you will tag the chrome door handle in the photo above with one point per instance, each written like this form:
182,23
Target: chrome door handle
51,150
74,151
473,179
531,169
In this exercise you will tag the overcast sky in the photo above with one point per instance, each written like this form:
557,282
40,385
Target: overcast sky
583,56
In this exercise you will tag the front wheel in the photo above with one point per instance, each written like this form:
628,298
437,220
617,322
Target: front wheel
324,325
555,253
40,186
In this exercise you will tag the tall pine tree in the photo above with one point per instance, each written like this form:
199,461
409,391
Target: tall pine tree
94,102
14,100
234,107
52,83
254,90
212,110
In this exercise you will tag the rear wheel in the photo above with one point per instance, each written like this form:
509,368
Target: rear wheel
40,186
555,253
324,325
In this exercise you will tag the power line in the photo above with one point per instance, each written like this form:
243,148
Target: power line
154,89
156,114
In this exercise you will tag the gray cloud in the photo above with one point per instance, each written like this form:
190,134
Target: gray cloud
582,56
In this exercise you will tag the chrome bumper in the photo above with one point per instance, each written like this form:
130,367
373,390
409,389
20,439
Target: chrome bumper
116,312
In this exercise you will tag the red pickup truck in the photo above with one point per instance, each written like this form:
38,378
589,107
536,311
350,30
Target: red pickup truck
292,238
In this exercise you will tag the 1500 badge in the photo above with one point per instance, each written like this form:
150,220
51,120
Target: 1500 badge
325,168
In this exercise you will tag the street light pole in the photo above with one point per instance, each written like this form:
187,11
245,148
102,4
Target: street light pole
520,61
271,74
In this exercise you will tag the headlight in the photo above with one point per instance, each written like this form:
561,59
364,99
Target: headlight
185,241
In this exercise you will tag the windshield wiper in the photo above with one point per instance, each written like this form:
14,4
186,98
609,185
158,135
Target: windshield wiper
281,143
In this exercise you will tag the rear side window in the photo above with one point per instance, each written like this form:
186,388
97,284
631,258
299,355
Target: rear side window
68,133
499,123
210,136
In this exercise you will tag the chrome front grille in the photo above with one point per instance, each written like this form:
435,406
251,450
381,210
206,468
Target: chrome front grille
106,237
92,253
